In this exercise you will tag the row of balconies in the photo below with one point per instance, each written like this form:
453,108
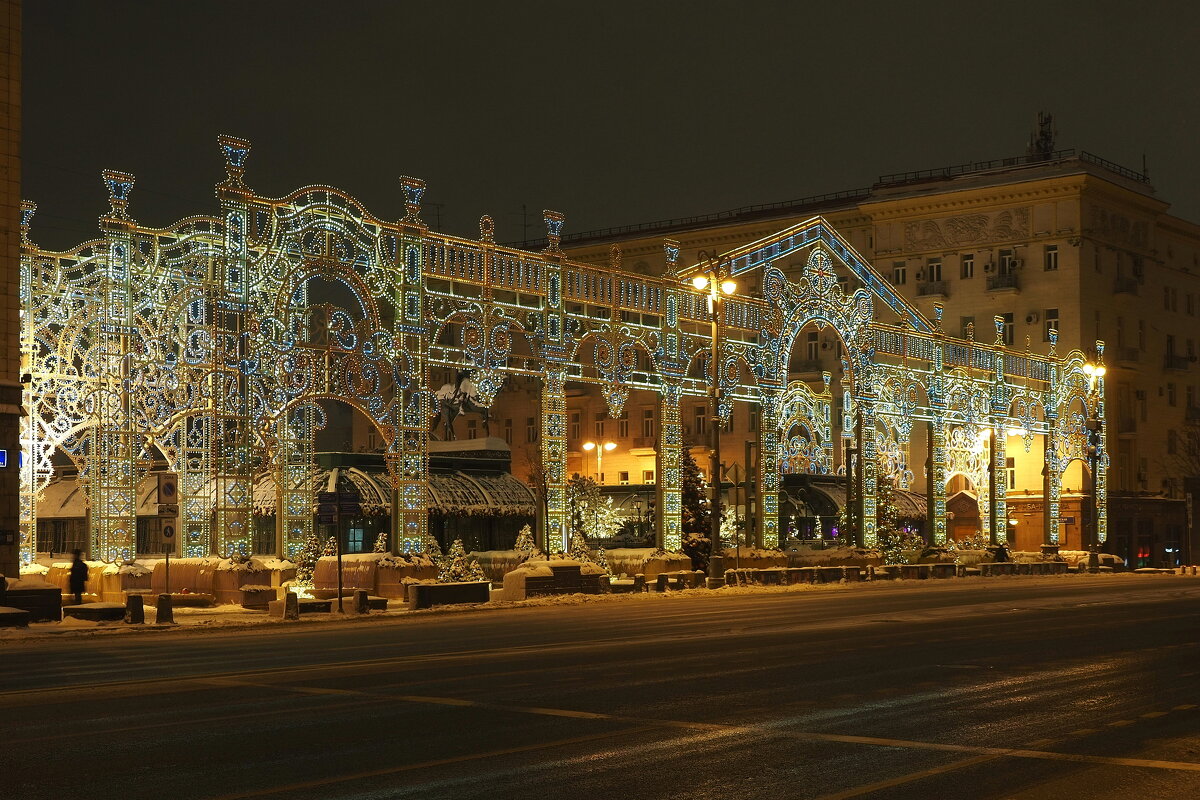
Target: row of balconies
995,283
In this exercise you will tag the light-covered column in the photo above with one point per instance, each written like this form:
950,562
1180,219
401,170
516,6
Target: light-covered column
552,443
668,489
110,472
294,475
408,450
767,509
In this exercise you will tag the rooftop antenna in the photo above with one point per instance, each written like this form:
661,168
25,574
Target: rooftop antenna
1041,141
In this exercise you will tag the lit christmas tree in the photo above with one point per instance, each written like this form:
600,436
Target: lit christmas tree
526,543
430,547
602,560
306,561
696,514
592,514
889,537
578,550
457,566
330,548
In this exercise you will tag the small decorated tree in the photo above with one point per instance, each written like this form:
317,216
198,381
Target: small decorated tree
526,543
457,566
578,550
381,542
889,536
330,548
306,560
602,560
592,514
430,547
696,513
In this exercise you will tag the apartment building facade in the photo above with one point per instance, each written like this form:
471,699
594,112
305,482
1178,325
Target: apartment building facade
1059,241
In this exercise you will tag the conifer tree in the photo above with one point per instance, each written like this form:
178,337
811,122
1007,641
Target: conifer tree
579,549
525,542
381,542
330,548
696,513
457,566
306,560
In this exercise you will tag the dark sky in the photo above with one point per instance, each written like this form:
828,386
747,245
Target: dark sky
610,112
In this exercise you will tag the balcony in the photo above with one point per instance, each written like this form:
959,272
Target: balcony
1172,361
1003,282
933,289
808,365
1125,286
1192,414
1129,355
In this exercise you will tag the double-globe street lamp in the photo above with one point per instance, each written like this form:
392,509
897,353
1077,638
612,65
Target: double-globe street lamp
717,283
600,449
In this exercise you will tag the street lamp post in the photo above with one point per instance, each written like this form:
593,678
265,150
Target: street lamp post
716,284
600,449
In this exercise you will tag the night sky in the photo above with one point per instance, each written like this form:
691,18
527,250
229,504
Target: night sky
611,112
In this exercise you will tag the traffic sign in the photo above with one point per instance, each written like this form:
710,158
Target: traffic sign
349,509
327,497
168,531
325,519
327,508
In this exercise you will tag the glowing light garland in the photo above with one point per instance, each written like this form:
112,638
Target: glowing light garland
203,342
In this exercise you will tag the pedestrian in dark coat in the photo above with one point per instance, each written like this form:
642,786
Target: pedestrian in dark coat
79,576
1001,554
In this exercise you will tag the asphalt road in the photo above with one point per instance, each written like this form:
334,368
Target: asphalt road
1077,687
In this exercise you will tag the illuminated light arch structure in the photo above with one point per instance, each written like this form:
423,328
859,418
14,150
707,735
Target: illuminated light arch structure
203,339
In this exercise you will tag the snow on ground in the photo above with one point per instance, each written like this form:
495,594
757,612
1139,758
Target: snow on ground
233,617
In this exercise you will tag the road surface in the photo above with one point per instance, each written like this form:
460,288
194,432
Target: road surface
1071,687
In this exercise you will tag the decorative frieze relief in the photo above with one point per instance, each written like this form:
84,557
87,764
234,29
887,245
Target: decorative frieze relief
967,229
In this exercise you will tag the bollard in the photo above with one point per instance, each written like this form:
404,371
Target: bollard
361,605
135,611
639,582
164,614
661,582
291,606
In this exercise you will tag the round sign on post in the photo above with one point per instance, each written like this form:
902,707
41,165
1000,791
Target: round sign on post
168,531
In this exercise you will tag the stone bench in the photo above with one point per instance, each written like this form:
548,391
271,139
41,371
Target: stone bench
43,605
13,617
830,574
998,568
944,570
914,571
428,595
96,612
628,585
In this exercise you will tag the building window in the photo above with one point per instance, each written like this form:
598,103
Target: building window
648,422
623,425
1170,394
623,478
530,429
968,265
1170,346
1166,298
1051,323
472,428
1050,257
576,425
1009,329
598,425
1190,393
698,419
508,436
647,476
1189,304
1010,472
813,346
899,273
1141,334
967,327
1008,262
1120,332
1172,442
753,419
933,269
